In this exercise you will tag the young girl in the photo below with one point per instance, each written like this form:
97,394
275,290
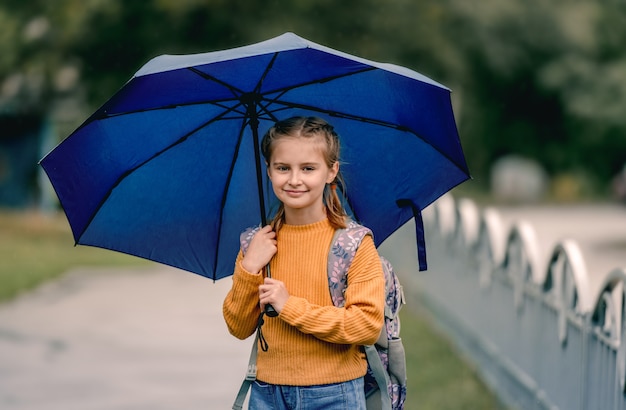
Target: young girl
314,360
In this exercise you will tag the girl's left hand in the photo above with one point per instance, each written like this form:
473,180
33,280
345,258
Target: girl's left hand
273,292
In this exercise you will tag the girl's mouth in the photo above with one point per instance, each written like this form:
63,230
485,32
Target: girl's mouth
294,193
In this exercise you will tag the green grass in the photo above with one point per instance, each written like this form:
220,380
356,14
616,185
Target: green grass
35,248
437,378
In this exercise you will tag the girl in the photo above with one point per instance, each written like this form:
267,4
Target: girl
314,360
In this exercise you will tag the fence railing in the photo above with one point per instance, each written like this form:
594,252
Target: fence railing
537,334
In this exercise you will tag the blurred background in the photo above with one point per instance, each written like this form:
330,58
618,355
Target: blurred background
539,87
539,90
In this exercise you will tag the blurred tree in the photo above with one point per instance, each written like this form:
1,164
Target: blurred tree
541,79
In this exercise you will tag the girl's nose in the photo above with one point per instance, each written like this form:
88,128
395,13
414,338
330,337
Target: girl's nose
294,179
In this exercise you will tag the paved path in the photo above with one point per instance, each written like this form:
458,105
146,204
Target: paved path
155,339
132,340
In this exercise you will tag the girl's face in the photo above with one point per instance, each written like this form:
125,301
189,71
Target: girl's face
299,173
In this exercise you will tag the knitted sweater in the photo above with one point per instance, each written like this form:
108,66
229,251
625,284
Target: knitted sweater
311,342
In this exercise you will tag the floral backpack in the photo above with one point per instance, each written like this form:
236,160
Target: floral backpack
386,360
386,370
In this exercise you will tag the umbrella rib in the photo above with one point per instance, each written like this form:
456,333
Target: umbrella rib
265,72
337,114
282,91
264,108
217,103
236,92
225,193
343,115
130,171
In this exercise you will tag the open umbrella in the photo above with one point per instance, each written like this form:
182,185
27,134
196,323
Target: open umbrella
169,168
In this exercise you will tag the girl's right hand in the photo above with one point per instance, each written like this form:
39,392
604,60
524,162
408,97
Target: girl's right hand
261,250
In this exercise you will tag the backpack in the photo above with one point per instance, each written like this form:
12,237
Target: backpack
386,370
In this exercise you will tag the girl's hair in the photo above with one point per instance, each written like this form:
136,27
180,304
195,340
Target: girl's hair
309,127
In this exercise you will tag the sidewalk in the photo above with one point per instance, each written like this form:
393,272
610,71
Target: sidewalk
132,340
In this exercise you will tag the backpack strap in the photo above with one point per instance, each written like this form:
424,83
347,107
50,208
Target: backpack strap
342,252
250,376
244,239
380,375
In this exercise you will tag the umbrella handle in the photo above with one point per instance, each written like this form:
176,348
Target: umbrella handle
269,309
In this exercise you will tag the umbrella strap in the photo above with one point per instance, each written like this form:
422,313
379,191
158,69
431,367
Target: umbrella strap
421,240
251,373
259,334
419,231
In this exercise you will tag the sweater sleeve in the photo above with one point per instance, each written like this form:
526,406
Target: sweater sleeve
241,306
361,319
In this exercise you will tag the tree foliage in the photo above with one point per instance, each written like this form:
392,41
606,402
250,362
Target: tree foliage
541,79
547,80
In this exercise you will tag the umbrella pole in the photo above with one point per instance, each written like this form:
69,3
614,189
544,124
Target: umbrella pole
254,125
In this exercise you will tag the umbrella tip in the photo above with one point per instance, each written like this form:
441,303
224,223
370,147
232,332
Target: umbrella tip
291,35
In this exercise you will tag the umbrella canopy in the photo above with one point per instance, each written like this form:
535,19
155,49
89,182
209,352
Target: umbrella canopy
169,169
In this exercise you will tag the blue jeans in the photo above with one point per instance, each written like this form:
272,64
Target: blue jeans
339,396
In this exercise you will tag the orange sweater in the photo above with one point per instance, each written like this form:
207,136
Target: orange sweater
311,342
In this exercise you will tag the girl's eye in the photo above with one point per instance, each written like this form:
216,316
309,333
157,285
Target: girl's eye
308,169
282,168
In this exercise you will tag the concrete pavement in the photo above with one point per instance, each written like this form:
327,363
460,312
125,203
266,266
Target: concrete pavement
123,339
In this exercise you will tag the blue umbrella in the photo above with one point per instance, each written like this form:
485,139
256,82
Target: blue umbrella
169,168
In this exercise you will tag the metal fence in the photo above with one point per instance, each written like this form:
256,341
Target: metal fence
537,335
